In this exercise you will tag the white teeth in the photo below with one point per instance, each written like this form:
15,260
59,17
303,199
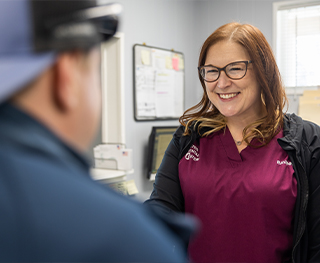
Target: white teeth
228,96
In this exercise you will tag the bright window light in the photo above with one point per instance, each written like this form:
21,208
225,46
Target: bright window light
298,45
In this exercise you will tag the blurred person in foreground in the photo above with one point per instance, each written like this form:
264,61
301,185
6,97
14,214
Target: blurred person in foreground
249,172
51,209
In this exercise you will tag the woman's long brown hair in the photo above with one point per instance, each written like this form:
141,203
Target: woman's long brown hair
267,75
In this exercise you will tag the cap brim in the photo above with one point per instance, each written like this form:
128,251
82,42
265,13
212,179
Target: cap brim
17,71
100,11
97,12
81,29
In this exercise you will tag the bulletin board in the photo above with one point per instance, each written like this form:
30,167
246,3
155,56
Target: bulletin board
158,77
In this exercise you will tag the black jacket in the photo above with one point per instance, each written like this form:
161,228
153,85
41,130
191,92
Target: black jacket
302,143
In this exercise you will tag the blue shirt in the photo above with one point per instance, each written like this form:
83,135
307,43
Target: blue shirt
51,210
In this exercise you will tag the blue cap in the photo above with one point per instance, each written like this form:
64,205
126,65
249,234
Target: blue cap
33,32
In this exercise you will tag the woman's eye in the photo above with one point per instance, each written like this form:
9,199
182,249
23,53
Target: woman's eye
236,69
212,71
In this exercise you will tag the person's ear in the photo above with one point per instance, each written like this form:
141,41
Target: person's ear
65,89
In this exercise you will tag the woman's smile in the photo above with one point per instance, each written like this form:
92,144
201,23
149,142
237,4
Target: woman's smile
228,96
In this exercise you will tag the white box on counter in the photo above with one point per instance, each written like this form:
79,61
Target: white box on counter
113,156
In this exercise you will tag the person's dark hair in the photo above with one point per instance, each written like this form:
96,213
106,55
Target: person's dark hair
268,77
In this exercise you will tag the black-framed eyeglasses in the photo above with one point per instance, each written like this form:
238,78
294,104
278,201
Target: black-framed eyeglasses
235,70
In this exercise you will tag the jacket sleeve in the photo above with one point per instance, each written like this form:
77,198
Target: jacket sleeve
313,210
167,194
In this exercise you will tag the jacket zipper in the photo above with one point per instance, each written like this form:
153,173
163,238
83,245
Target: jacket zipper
304,200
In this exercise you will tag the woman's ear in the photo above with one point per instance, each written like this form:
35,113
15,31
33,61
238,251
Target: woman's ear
66,79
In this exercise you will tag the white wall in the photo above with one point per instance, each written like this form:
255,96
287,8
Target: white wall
182,25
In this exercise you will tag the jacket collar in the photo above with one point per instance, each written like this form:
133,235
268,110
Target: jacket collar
292,130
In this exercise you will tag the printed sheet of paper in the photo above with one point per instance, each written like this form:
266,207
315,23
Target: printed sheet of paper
164,87
178,93
145,91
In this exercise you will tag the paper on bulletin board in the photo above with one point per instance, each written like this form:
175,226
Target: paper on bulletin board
159,60
145,91
145,57
178,90
168,62
164,89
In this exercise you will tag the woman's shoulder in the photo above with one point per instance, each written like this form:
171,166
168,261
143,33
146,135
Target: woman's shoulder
291,119
302,129
180,132
183,141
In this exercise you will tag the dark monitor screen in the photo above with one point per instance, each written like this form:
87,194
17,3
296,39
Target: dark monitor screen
159,140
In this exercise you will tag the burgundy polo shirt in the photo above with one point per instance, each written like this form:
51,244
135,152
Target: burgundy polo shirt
245,201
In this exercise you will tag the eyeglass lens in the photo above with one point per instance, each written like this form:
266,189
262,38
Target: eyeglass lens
235,70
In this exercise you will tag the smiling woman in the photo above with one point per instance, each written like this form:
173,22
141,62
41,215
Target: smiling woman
241,165
228,44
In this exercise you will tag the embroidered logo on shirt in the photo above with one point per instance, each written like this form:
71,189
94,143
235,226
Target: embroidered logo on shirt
193,153
284,162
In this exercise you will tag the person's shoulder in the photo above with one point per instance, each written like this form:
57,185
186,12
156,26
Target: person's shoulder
180,138
293,120
305,130
179,132
183,128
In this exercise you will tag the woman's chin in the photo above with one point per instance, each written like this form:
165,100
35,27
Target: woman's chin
229,114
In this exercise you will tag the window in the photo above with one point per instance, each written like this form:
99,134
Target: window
297,42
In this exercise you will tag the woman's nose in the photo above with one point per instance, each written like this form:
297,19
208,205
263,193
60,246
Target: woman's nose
223,80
